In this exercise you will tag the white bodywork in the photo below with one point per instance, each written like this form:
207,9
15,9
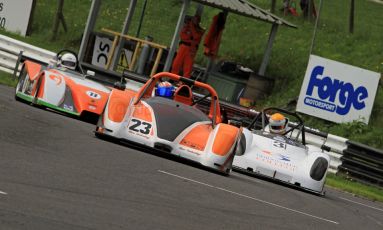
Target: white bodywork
54,88
281,158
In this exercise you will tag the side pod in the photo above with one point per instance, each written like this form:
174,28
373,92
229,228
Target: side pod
117,105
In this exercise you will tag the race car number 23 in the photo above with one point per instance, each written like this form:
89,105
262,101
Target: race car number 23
140,126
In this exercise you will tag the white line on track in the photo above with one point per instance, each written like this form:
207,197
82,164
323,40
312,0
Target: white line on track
249,197
379,209
3,193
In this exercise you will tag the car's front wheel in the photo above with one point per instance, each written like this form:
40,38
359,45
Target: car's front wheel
22,83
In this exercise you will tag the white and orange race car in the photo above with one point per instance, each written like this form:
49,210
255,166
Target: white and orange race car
61,89
171,124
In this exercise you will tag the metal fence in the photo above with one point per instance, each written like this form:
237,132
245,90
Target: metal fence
10,49
362,163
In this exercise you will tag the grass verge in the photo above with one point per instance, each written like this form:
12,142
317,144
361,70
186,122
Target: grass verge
349,185
7,79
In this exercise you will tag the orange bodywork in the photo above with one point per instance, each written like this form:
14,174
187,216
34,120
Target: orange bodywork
197,137
82,101
33,69
41,90
118,104
142,112
186,99
225,138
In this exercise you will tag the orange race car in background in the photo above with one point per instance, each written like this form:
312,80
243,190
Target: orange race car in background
165,118
62,87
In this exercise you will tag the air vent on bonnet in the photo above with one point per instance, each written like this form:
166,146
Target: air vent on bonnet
163,147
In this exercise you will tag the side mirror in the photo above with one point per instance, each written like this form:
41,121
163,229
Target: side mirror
52,63
119,85
326,148
235,123
224,116
90,73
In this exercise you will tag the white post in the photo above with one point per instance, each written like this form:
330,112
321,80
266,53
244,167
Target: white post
266,56
315,28
94,9
125,30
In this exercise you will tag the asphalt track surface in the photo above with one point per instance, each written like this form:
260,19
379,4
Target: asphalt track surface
55,174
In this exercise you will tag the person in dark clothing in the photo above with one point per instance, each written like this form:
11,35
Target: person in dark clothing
304,7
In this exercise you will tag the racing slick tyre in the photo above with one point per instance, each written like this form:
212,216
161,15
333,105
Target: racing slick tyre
229,168
89,117
22,84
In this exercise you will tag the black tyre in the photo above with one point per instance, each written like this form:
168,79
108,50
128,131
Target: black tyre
21,83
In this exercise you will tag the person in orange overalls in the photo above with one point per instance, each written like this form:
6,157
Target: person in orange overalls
191,35
213,37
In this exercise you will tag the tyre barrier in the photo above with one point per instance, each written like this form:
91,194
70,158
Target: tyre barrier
363,163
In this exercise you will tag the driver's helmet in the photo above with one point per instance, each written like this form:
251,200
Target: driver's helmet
165,89
68,61
277,123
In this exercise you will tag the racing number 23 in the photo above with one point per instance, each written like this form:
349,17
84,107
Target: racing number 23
140,126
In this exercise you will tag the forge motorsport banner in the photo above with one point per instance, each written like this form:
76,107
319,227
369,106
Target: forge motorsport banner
337,92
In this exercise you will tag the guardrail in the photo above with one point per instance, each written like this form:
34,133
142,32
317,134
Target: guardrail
356,159
362,163
336,145
10,49
8,59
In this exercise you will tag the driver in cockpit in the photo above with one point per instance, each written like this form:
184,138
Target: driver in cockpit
67,61
277,124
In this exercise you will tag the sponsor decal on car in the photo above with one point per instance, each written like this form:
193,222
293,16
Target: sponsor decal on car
276,160
267,152
279,144
139,127
189,150
284,158
55,78
92,107
68,107
279,138
93,95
